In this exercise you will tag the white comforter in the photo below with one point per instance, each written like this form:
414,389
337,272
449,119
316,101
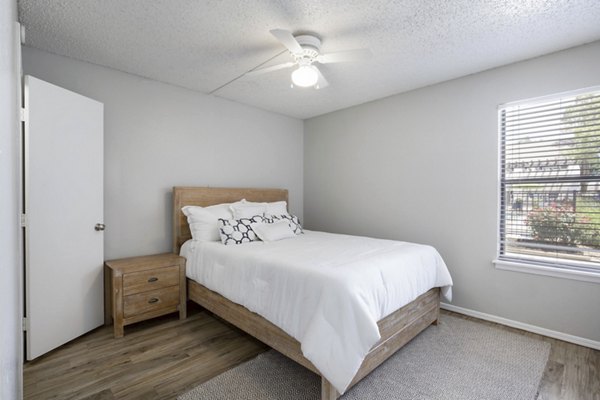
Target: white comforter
326,290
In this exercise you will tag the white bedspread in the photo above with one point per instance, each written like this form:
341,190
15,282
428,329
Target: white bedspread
326,290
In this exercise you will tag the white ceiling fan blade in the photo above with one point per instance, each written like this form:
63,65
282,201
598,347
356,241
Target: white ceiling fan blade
287,39
321,82
271,68
345,56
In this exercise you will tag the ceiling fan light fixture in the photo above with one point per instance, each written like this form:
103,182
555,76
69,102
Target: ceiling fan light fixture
305,76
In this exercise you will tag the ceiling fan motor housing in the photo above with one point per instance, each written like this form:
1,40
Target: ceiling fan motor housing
311,46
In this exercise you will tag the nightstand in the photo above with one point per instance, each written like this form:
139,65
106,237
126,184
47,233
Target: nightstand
140,288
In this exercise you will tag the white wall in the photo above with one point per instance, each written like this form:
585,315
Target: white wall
10,325
422,167
158,136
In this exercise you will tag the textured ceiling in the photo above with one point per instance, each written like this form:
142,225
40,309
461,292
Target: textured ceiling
202,45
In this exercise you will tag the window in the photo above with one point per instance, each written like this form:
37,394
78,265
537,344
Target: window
550,182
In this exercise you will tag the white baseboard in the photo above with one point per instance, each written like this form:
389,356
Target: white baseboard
526,327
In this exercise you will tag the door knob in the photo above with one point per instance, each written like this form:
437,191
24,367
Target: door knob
100,227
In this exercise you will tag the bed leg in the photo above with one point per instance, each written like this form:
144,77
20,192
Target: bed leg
328,392
437,317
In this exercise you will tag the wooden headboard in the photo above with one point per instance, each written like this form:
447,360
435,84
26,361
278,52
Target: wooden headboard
208,196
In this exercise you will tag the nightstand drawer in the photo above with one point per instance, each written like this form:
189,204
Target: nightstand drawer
143,281
150,301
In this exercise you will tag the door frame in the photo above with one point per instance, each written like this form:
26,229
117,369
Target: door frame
20,40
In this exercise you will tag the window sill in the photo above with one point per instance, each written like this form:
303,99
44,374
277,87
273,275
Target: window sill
547,271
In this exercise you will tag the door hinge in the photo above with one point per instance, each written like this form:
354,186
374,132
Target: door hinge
23,220
23,114
25,324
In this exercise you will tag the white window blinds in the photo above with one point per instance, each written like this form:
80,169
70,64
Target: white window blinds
550,181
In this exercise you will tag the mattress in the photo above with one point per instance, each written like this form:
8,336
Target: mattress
325,290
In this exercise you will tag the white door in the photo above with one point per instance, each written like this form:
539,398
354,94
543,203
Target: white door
63,175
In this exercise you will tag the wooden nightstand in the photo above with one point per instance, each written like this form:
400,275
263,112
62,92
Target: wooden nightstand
139,288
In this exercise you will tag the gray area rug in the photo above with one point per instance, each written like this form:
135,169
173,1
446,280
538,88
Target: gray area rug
458,359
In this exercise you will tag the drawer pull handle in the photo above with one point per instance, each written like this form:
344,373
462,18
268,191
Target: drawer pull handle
153,300
153,279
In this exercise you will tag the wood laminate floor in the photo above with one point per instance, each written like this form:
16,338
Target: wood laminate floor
164,357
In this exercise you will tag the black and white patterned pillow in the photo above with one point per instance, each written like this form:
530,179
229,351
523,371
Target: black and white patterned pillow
238,231
291,219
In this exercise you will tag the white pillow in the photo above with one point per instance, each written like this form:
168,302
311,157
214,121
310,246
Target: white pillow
274,208
292,220
247,210
272,232
203,221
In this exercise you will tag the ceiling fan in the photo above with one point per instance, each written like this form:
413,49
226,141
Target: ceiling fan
306,51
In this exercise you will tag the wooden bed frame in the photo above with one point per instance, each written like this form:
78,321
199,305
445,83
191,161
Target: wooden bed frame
396,329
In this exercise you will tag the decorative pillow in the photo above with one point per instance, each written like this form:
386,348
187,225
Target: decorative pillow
274,208
272,232
241,209
204,221
238,231
292,220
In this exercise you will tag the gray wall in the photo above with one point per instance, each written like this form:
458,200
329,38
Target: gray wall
10,329
158,136
422,167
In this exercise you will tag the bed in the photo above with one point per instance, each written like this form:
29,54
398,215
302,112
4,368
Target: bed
395,330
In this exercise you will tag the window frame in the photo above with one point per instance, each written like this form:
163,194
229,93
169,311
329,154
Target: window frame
563,268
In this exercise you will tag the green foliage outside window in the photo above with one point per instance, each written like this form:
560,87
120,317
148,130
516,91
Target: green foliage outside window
557,224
